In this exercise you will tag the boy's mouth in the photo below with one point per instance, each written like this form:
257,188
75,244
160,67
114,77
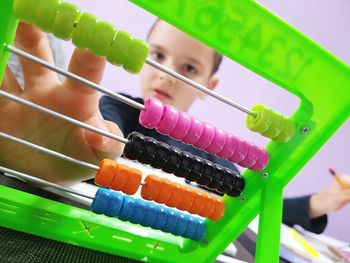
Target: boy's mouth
160,94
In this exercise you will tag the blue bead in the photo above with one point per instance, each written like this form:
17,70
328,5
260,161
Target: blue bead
150,215
181,225
161,218
115,204
171,223
140,211
200,233
191,228
128,208
100,202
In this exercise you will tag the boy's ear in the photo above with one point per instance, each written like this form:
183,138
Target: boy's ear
212,83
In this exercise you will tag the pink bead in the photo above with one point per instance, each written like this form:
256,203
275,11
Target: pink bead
262,160
195,131
168,121
218,142
151,115
206,137
252,156
229,147
241,151
182,127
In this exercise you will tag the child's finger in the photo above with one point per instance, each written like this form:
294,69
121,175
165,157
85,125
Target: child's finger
105,147
9,84
85,65
33,41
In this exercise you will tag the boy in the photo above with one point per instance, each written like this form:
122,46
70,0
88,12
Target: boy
169,47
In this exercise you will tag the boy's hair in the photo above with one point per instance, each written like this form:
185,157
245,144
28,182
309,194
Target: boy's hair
217,55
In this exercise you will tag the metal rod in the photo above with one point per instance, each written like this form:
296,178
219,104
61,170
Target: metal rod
48,151
199,87
122,98
70,75
61,116
51,152
27,177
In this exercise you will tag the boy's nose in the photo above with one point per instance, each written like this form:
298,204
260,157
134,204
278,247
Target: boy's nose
169,63
166,78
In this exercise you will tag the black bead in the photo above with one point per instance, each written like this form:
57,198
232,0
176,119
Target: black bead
185,166
133,148
197,169
229,181
173,160
149,150
218,178
238,188
207,174
240,183
161,157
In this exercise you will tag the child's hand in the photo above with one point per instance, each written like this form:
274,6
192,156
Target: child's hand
70,98
333,198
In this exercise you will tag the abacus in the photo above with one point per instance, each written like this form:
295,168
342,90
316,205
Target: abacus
232,28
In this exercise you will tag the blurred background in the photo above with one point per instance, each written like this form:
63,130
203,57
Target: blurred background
325,21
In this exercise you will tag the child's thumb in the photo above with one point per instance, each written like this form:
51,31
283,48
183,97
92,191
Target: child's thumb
106,147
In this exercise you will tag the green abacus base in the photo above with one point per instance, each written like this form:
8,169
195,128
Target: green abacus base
50,219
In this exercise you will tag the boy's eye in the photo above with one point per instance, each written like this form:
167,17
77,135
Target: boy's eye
156,55
190,69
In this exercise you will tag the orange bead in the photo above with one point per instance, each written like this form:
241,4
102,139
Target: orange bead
164,192
134,182
121,177
198,203
209,206
176,195
218,211
187,200
105,175
151,188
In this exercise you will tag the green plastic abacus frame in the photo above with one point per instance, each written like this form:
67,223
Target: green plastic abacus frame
246,32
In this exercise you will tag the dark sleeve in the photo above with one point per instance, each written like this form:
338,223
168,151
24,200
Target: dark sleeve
125,116
296,212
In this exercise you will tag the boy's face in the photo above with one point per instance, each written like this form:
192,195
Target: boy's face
181,53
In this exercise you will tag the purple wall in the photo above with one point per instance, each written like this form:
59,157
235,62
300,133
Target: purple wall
326,22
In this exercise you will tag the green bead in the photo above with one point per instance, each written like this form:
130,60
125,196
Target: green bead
119,49
67,15
262,121
24,9
84,31
137,56
287,132
278,123
103,39
45,14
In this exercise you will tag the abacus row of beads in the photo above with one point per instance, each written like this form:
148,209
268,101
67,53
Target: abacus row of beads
66,21
159,155
148,214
